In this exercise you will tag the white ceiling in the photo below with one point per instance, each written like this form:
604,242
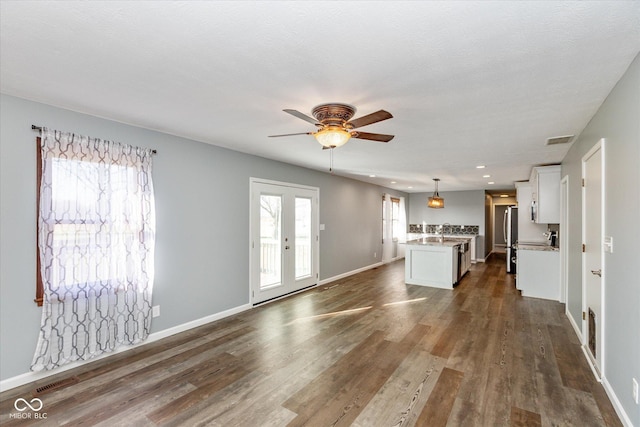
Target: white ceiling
468,83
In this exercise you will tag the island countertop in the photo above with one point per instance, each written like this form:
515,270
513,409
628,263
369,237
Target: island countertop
435,241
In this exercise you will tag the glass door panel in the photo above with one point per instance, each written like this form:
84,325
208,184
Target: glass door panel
303,228
284,239
270,241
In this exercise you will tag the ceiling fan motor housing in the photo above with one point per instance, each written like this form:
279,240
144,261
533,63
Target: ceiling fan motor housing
333,114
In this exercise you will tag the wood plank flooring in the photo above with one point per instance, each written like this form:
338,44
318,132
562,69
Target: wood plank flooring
367,350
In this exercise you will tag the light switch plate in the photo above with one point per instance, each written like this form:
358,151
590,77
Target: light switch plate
321,227
155,311
608,244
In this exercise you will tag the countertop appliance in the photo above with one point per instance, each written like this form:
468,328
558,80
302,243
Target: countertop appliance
552,238
510,228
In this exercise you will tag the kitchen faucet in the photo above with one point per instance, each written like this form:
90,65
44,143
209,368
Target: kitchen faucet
442,231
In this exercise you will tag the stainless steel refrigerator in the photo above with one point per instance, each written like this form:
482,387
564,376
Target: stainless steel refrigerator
510,228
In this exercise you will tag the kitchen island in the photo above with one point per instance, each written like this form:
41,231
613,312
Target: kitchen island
435,261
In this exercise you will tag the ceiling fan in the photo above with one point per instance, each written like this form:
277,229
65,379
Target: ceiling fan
335,126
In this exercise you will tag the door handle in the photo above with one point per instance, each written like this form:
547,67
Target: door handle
504,228
597,272
286,247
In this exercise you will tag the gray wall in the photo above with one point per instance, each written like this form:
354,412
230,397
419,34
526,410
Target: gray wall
460,207
618,121
202,235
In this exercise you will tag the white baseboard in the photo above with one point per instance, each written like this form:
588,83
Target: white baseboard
576,328
350,273
485,258
592,365
393,260
28,377
624,418
616,403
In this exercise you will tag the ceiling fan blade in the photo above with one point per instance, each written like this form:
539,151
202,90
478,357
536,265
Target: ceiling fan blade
378,116
380,137
291,134
302,116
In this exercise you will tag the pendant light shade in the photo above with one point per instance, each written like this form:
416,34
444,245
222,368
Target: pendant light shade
435,201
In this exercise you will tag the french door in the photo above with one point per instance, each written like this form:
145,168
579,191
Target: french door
284,239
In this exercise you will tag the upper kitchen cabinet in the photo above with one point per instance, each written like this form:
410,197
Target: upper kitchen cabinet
545,194
528,231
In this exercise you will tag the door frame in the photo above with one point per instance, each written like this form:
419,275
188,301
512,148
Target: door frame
565,218
599,372
316,228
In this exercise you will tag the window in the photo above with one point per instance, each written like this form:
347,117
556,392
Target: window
96,238
93,220
395,218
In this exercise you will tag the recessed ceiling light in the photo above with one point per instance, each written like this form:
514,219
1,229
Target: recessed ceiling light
480,167
504,195
486,176
372,176
393,182
490,182
409,187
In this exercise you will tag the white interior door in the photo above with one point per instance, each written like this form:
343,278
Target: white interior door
593,273
284,239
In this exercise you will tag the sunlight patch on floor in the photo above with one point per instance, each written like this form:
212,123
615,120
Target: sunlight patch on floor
404,302
333,314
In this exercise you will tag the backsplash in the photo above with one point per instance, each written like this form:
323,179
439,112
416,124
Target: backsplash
448,229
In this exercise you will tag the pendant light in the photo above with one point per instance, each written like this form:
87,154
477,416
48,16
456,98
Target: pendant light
435,201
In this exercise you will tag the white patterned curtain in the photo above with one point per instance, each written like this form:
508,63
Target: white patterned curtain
96,245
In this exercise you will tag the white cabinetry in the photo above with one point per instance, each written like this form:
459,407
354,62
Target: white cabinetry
431,265
528,231
545,194
539,273
472,254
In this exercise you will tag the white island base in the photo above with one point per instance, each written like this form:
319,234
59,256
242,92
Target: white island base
431,264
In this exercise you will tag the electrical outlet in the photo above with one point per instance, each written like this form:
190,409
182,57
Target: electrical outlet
156,311
635,390
375,254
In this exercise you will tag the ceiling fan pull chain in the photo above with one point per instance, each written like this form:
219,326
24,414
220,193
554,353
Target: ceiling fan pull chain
331,159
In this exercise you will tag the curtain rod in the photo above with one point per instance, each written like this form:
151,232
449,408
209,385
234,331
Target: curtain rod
39,129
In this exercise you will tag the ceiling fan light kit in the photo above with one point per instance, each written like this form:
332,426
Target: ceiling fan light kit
332,137
335,126
435,201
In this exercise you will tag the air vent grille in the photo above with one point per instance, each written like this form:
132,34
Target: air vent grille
559,140
56,385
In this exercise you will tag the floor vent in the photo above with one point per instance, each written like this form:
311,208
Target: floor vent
559,140
56,385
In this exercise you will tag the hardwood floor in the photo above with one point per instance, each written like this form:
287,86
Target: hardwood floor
366,350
